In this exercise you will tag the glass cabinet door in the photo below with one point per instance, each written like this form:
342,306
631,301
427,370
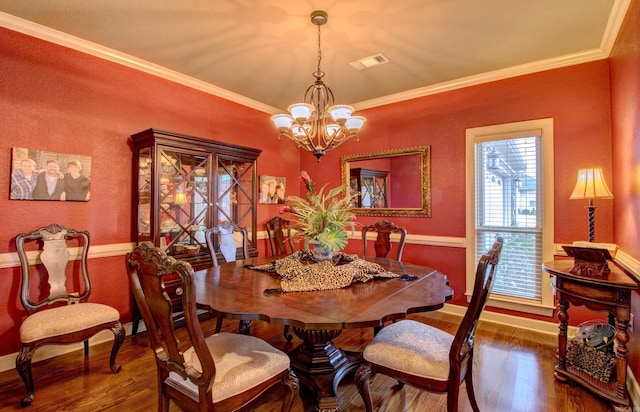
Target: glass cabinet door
183,199
235,188
371,185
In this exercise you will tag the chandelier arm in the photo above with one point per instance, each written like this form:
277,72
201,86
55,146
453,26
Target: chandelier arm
338,143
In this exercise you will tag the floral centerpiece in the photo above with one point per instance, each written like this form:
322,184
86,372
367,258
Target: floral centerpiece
322,217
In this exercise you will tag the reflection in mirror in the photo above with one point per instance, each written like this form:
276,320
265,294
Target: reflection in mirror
391,182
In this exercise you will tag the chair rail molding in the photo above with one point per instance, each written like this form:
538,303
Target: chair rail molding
10,260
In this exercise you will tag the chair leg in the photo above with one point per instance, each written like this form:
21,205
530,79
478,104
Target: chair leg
287,335
118,339
218,324
244,327
452,398
135,319
363,375
468,380
292,383
23,366
86,347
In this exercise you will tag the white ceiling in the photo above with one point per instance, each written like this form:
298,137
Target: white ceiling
264,51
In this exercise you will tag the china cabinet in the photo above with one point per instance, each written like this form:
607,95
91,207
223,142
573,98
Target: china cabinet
184,185
372,186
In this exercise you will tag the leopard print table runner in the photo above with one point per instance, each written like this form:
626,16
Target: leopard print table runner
300,273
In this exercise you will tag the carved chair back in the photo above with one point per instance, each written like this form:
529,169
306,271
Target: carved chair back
227,243
279,234
382,244
64,283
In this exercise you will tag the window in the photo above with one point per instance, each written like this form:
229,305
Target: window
510,194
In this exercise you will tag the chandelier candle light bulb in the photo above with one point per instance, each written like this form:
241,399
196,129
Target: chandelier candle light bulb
318,125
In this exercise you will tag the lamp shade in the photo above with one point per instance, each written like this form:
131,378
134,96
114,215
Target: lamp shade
591,185
340,112
354,123
180,199
282,121
301,111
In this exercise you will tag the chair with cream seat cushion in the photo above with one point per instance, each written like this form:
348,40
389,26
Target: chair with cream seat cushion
226,243
426,357
62,315
223,372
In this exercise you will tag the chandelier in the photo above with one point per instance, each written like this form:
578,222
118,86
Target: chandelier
318,125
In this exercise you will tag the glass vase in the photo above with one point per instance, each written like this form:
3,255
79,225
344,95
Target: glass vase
319,252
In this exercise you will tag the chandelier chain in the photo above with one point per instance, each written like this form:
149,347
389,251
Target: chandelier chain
319,49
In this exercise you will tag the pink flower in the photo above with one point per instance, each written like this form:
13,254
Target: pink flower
285,209
304,177
353,219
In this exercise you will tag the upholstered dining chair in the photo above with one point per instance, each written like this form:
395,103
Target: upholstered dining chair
382,244
222,372
56,303
426,357
279,234
222,243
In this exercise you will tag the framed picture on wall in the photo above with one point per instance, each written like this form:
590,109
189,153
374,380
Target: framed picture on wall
272,189
44,175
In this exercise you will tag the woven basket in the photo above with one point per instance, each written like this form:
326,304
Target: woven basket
592,361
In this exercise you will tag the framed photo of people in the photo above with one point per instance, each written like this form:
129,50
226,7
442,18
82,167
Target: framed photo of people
272,189
44,175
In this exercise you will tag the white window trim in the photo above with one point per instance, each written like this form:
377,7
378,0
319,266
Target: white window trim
487,133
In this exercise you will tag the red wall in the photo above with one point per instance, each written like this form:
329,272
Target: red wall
576,97
53,98
625,109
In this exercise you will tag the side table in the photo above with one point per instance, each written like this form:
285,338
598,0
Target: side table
611,294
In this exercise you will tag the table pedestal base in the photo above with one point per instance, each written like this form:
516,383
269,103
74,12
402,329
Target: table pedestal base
320,365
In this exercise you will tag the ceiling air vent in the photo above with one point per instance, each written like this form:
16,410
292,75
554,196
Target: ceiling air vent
370,61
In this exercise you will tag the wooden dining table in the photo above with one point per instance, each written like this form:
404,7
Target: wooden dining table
235,291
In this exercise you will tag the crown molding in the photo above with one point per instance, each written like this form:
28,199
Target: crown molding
614,23
616,18
492,76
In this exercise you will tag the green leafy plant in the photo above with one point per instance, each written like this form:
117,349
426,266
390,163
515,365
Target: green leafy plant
322,217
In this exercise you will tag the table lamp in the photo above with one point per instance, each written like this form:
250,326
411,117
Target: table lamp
591,185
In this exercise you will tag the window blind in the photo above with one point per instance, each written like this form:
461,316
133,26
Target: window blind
508,204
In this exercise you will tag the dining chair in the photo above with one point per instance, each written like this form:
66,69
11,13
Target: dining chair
426,357
279,234
222,244
227,243
56,299
222,372
382,244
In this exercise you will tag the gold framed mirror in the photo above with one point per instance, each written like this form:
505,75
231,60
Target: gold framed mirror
395,182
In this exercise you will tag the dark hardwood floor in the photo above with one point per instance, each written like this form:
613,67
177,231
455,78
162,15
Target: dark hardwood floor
513,372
